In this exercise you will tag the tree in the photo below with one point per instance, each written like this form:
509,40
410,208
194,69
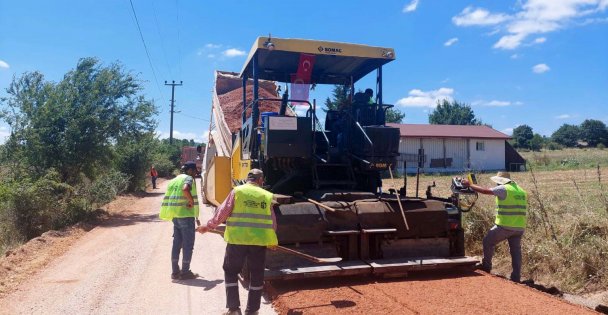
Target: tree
522,135
339,98
453,113
567,135
594,132
73,125
537,142
394,116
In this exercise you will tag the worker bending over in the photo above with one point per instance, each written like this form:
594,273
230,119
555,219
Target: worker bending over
511,210
250,229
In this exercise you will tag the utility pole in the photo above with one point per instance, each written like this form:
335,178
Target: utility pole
173,85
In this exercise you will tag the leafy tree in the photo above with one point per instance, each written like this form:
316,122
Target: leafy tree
594,132
72,125
453,113
339,98
394,116
567,135
522,135
537,142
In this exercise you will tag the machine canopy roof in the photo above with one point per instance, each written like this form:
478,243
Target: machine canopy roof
334,63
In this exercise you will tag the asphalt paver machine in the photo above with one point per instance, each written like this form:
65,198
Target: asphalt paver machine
327,176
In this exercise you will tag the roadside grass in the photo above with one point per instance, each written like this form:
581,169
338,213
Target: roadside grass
566,242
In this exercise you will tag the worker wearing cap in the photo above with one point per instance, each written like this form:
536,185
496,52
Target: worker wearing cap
180,206
250,229
510,224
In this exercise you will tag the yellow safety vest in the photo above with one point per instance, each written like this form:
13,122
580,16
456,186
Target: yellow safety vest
251,221
511,212
175,204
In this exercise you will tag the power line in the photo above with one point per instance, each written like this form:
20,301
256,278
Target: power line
141,35
203,119
179,46
162,41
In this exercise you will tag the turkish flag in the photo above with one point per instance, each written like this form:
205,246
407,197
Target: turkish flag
300,81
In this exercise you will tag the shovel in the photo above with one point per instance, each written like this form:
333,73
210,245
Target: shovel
314,259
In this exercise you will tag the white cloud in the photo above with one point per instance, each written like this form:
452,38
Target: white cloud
197,137
518,103
211,56
563,116
4,65
450,41
419,98
540,68
411,7
213,46
540,40
492,103
515,56
508,131
533,17
478,17
233,52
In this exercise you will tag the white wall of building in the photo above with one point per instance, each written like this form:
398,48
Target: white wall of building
491,158
491,155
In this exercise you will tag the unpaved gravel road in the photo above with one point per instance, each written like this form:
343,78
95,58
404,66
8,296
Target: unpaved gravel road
123,267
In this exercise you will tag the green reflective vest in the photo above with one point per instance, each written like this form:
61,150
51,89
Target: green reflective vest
175,204
511,212
251,221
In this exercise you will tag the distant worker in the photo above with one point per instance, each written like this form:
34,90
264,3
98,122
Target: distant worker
510,223
180,206
250,229
154,176
370,96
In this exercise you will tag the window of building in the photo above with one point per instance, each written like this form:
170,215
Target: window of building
480,146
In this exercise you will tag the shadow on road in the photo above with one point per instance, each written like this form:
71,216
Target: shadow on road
335,303
201,283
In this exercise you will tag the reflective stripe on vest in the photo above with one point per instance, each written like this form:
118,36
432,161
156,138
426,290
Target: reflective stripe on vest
511,212
251,220
175,204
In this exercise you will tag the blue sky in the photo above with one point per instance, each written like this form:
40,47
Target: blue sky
537,62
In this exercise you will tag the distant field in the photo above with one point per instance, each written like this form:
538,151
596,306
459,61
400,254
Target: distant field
566,243
566,159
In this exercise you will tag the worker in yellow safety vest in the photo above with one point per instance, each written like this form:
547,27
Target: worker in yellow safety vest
180,206
250,229
510,223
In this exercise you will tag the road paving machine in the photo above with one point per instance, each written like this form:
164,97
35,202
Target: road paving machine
326,176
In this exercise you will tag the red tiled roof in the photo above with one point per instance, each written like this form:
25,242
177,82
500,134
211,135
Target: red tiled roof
448,131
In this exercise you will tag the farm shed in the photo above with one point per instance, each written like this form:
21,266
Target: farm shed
455,148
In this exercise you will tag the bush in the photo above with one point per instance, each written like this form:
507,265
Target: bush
107,187
554,146
601,146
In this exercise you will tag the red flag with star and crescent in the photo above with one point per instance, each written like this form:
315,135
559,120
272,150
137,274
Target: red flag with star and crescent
300,81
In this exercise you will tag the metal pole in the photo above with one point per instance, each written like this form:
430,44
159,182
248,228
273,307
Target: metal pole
173,85
404,179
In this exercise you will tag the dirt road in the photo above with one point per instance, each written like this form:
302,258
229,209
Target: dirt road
123,267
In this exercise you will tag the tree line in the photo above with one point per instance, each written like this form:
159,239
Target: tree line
74,145
590,133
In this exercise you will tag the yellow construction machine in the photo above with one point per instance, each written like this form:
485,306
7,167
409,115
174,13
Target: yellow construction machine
327,175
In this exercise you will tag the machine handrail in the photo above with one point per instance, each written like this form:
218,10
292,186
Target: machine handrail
360,128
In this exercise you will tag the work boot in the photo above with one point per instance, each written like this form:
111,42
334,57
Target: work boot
233,311
186,275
